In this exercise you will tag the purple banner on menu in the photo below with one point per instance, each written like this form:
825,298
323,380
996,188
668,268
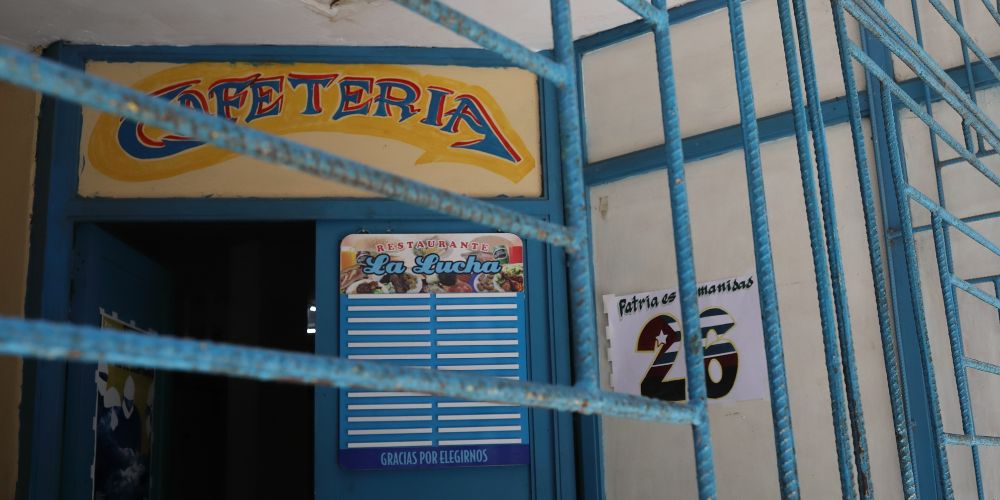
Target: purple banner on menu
435,457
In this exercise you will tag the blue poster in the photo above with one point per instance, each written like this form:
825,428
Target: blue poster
123,427
441,302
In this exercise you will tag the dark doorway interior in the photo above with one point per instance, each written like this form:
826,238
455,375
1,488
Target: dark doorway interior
251,284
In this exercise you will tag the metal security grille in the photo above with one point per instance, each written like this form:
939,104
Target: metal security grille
926,475
48,340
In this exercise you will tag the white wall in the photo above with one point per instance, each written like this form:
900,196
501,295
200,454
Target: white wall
656,461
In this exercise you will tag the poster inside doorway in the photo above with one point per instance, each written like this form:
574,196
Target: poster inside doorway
123,426
647,355
451,302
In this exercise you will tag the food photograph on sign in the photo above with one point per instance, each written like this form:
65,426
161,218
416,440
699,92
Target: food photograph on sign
381,264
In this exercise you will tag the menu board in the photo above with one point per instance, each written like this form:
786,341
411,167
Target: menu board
452,302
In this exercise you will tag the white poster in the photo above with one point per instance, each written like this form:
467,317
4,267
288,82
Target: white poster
647,354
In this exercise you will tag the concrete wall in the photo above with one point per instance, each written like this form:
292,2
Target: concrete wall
656,461
17,160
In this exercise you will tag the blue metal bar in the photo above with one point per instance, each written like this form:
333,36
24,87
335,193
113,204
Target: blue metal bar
982,366
946,216
974,291
955,339
834,259
684,255
953,161
889,349
459,23
972,440
916,296
73,85
570,134
971,218
895,37
929,108
834,365
966,130
767,288
88,344
935,127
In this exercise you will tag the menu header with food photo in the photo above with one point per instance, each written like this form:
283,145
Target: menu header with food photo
431,263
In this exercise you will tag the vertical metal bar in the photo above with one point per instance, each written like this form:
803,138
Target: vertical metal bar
996,292
889,349
929,106
684,257
781,413
581,287
955,339
913,273
830,348
830,229
966,130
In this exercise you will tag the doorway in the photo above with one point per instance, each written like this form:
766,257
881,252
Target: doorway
245,283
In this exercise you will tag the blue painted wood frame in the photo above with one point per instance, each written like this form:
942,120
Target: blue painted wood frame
57,209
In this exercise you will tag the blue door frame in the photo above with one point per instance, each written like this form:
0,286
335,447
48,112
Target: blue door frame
58,211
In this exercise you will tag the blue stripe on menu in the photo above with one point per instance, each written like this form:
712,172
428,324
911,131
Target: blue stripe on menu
482,334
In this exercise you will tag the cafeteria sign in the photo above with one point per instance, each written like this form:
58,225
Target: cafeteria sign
647,354
450,302
471,130
446,118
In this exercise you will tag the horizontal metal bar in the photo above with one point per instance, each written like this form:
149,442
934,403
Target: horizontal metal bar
974,291
962,439
953,161
895,234
953,221
26,70
982,366
658,18
873,68
488,38
88,344
983,279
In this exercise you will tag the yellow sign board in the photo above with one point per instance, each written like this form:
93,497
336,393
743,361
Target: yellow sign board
471,130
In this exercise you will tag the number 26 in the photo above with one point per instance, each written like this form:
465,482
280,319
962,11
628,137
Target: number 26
661,333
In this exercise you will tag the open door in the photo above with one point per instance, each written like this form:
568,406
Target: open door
110,446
